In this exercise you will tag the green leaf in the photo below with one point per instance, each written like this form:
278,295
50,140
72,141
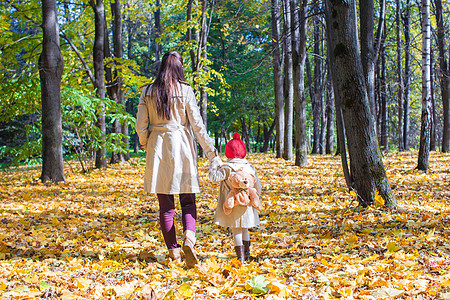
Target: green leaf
259,285
44,286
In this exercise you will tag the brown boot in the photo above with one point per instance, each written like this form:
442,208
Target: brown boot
247,250
239,253
175,254
190,255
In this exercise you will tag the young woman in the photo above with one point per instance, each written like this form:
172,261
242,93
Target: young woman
167,121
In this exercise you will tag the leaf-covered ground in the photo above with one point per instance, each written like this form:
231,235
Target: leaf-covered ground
97,237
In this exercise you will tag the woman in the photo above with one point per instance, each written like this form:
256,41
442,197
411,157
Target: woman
166,120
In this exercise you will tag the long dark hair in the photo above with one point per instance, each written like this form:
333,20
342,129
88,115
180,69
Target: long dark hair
170,73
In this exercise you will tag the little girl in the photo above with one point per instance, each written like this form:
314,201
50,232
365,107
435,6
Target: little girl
242,217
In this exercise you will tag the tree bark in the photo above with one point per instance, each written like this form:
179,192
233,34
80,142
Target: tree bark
330,118
401,145
246,135
366,10
98,51
191,35
202,56
425,129
288,86
444,76
378,102
118,53
366,165
433,105
130,28
158,30
407,101
278,79
298,33
384,132
118,82
267,135
381,29
341,148
51,65
316,101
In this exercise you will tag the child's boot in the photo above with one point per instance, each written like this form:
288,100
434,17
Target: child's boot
188,249
175,254
239,253
246,250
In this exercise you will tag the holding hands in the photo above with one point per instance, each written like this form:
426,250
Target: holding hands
216,162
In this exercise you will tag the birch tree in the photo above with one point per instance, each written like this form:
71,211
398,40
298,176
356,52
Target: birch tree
298,33
401,144
407,91
277,78
425,129
288,85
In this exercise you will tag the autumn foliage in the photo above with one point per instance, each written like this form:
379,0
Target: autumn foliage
97,236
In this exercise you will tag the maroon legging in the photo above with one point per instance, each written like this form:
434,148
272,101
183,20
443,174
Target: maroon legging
167,213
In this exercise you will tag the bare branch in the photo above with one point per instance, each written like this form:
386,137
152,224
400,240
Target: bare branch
74,48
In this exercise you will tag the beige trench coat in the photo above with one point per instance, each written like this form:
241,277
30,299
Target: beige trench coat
171,151
240,216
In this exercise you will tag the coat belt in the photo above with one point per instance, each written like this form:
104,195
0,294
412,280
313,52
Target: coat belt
167,127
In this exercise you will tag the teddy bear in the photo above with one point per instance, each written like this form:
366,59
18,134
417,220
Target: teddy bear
242,192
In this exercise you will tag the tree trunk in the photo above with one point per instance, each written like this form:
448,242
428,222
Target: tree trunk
118,53
99,11
202,56
298,33
381,29
51,65
192,35
267,135
323,115
278,79
384,132
340,131
118,83
289,86
425,129
329,112
311,93
316,101
444,76
366,10
407,101
433,105
378,102
401,145
366,165
245,135
129,25
158,47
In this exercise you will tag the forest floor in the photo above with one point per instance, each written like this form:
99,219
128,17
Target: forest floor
97,236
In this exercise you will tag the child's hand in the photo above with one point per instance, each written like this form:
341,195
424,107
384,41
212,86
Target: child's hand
215,173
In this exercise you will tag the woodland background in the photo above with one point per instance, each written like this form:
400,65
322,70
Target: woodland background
230,49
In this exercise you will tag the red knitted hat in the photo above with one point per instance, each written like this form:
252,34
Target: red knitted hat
235,148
